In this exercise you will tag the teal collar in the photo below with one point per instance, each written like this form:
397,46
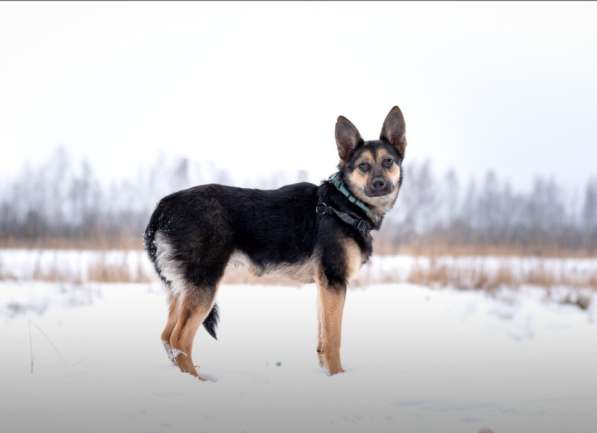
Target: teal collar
336,180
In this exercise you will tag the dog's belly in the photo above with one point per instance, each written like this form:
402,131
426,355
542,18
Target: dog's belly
302,272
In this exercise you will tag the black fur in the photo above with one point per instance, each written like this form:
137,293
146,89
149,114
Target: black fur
211,321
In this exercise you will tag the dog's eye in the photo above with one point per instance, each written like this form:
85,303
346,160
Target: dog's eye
364,167
387,163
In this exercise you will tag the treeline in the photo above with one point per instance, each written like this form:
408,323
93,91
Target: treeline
63,200
447,210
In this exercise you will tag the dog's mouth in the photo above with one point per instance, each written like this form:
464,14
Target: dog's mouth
379,192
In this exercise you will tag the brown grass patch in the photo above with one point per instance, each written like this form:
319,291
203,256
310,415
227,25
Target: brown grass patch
101,270
98,269
478,277
382,246
95,243
431,271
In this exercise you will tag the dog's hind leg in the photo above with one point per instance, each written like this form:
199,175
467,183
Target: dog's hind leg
170,323
192,309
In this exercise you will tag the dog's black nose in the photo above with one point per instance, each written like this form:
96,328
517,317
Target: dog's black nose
378,183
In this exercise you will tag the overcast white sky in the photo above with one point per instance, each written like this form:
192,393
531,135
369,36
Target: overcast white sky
252,87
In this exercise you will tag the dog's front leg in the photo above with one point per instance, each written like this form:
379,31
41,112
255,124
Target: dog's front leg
331,304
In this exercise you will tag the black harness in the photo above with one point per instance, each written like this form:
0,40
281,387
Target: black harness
362,225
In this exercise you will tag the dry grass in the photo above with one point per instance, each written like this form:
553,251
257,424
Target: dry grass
563,285
424,249
469,278
101,270
476,276
431,271
95,243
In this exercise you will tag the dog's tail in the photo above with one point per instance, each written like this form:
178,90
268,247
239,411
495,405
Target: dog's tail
211,321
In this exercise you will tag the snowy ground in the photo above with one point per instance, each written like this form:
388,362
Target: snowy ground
88,358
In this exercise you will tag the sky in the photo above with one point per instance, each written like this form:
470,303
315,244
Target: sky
256,88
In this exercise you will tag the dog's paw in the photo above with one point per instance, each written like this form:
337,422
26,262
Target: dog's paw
334,371
168,350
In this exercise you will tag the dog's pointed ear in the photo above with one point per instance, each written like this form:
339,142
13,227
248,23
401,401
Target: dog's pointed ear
347,138
393,130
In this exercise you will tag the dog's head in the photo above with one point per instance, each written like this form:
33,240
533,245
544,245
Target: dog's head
372,170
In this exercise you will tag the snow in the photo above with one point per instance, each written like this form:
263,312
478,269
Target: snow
88,357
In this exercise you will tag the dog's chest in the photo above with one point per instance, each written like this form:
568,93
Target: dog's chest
353,257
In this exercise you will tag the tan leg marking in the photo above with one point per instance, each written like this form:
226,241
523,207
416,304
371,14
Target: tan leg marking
190,315
319,349
170,323
332,306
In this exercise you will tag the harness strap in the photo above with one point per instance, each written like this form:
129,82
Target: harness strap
337,182
362,226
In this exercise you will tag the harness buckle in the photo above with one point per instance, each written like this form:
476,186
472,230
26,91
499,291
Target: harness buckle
321,208
362,226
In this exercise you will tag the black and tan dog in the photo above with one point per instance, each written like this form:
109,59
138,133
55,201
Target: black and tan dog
310,233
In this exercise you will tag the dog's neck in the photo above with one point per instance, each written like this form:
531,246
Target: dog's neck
374,214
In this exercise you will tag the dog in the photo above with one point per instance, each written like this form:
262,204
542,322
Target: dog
310,233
